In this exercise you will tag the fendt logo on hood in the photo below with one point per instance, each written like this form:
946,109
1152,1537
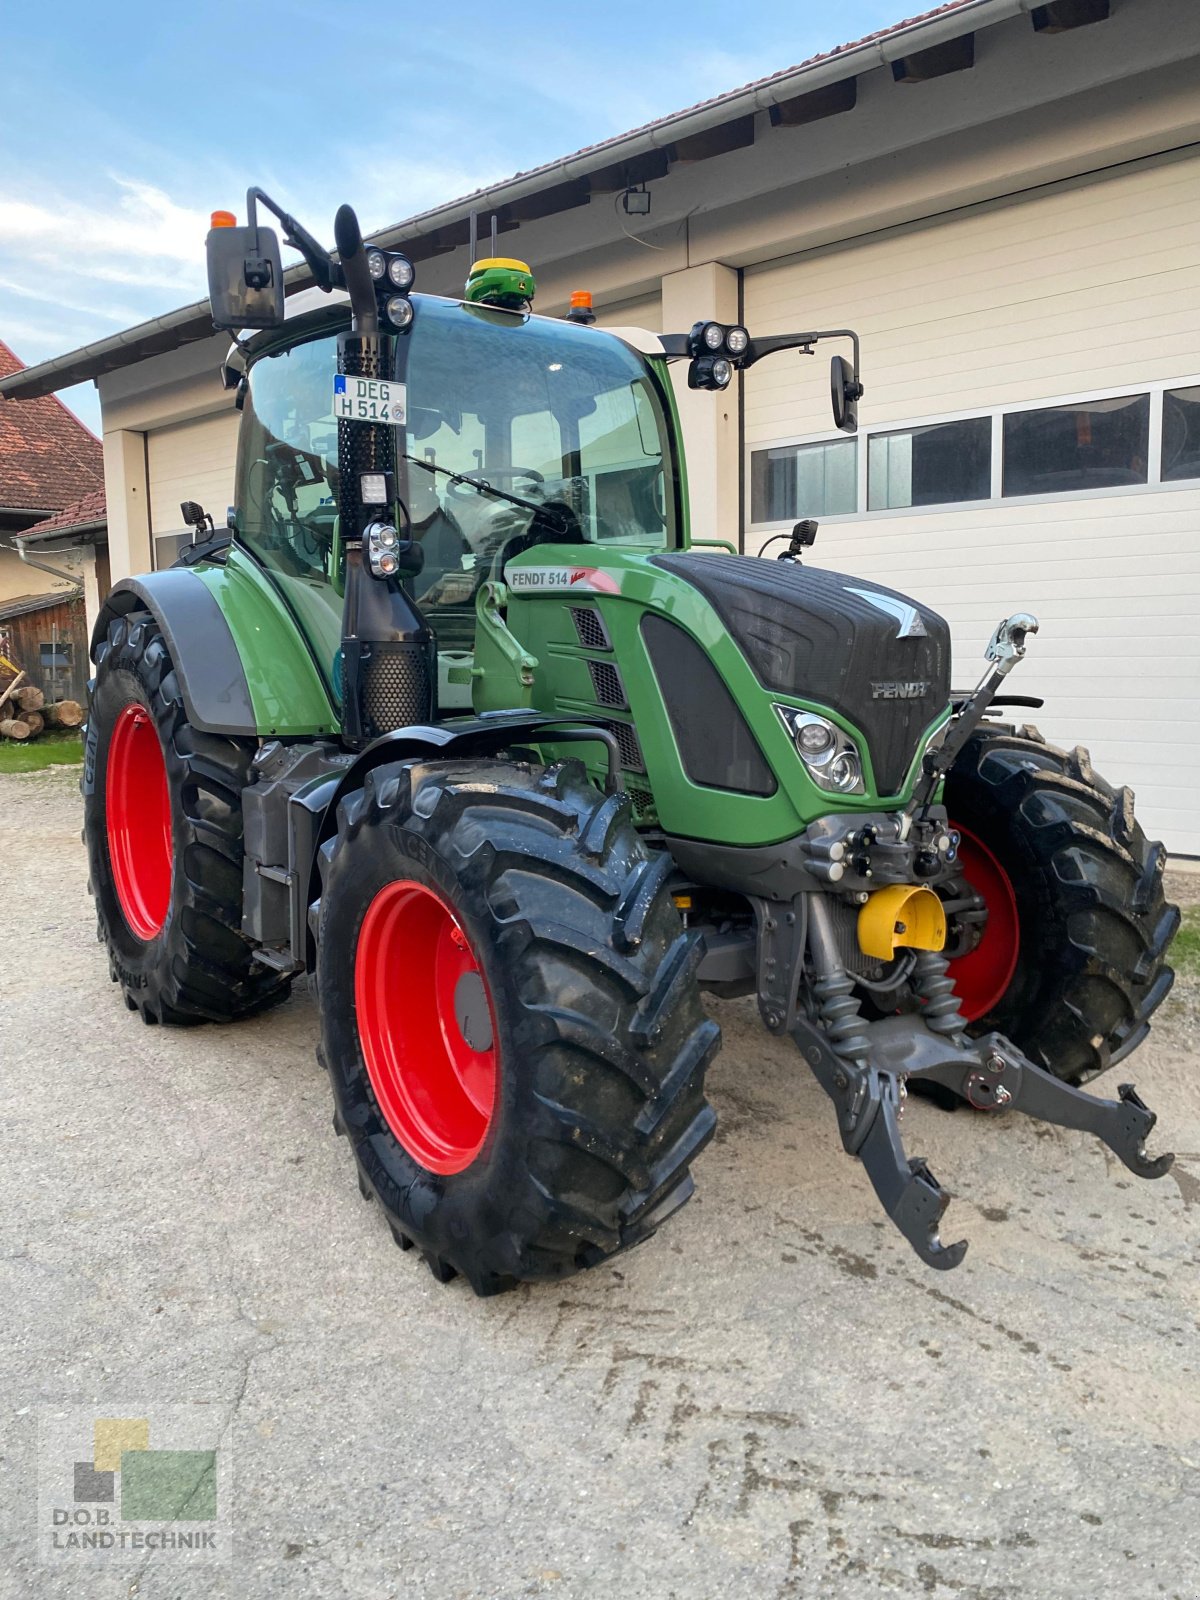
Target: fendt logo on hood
907,616
910,689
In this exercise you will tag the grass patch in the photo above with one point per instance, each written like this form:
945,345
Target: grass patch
1184,954
60,747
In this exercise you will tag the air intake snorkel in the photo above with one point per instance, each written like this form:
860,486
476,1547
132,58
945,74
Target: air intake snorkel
388,655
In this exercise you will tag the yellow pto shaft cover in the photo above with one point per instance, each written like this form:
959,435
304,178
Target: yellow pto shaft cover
902,914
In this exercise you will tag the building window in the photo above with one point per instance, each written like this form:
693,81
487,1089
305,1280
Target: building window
808,480
946,462
1091,444
54,663
1181,435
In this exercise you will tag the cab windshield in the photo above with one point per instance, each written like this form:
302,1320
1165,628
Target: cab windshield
549,412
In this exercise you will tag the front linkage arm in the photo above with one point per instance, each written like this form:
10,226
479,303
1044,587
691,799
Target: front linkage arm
869,1105
990,1073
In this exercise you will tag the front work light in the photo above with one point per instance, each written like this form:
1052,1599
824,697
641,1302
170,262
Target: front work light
376,264
710,372
400,311
400,272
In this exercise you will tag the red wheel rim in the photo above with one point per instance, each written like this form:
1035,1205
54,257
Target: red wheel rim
137,808
427,1026
982,976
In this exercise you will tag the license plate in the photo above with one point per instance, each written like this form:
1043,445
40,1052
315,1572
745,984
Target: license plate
369,399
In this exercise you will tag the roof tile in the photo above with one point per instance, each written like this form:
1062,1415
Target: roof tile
47,457
82,513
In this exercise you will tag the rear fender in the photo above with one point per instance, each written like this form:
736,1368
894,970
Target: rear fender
240,658
207,665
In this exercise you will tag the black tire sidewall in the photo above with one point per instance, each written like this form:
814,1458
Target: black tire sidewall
1094,923
972,805
139,961
200,965
483,1188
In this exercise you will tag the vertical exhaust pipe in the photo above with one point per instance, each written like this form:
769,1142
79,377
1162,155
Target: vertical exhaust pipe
389,670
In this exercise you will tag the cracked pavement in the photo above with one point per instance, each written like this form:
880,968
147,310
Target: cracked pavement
771,1399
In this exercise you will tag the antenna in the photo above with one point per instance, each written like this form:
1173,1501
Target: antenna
474,238
494,220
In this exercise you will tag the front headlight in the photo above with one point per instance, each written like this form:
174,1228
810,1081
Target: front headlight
830,756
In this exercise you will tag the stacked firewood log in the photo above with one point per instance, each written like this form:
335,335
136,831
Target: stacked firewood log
24,712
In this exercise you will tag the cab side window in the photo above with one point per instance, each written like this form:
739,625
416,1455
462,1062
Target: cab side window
287,462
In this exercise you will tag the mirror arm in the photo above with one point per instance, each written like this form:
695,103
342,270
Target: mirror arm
320,263
773,342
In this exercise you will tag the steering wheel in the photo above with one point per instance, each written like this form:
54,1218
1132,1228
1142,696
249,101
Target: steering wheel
461,491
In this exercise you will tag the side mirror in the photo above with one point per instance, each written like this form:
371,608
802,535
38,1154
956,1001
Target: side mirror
845,392
245,278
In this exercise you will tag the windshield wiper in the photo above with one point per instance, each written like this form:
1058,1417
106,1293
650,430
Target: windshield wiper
482,486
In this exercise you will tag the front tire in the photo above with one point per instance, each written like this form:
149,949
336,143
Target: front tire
1064,947
163,828
509,1018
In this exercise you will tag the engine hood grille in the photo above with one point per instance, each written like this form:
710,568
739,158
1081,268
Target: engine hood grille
833,638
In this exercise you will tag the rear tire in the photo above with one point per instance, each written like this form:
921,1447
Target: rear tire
163,828
1077,918
561,917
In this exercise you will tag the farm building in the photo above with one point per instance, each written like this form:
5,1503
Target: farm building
1003,199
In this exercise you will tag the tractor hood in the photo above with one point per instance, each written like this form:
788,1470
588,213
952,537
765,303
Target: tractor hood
878,658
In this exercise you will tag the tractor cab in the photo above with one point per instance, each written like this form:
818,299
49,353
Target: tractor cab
517,430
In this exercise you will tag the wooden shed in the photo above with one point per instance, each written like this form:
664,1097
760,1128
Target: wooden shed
45,636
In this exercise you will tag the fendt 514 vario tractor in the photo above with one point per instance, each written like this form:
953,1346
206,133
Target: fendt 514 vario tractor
456,717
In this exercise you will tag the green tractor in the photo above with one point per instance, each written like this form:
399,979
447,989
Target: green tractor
456,717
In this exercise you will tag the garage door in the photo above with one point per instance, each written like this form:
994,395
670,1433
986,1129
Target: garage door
643,312
190,461
1029,439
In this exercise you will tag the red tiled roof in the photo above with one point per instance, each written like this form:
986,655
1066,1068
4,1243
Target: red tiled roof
47,457
83,513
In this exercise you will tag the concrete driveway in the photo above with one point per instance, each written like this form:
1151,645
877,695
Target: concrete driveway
771,1399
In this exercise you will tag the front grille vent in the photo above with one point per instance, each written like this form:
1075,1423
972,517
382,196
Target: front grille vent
607,685
629,745
589,625
643,800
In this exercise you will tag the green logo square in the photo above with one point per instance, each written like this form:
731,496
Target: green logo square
169,1485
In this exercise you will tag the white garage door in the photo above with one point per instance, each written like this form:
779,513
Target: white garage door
1029,439
189,461
643,312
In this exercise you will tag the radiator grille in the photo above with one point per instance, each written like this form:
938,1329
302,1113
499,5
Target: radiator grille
643,800
589,625
607,685
629,745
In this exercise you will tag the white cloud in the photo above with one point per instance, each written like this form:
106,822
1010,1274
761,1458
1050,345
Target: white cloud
141,224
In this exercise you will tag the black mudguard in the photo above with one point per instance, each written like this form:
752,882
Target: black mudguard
212,681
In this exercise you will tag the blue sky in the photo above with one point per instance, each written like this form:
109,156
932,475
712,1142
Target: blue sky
123,125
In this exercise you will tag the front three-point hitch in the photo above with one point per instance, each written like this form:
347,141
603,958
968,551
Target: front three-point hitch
992,1075
864,1066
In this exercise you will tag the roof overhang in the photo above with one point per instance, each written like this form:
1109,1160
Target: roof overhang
704,131
90,532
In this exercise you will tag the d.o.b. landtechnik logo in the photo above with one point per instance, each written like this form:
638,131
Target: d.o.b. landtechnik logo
107,1488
